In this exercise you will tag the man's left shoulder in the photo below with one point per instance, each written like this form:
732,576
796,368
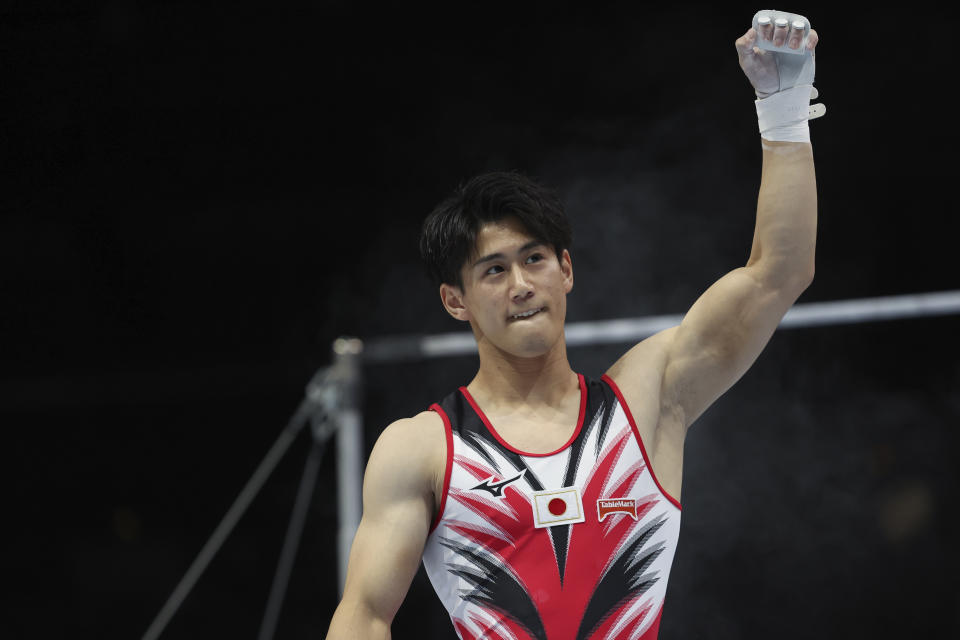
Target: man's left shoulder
643,365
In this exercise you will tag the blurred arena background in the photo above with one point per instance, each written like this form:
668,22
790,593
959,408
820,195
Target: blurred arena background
201,199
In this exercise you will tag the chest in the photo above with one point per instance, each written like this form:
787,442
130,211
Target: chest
516,526
519,491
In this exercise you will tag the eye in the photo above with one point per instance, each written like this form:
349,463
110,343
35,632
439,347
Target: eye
536,257
495,269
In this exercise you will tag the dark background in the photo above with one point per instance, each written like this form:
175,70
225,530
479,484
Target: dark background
199,200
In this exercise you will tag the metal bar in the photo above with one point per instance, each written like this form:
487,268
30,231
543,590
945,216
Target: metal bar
812,314
350,454
872,309
350,460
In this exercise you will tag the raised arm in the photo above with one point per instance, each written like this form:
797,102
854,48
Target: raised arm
398,506
725,330
728,326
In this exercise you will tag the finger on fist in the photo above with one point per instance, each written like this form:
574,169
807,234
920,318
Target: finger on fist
745,43
765,25
780,32
796,34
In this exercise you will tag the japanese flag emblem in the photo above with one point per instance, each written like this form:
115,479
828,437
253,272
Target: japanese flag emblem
557,506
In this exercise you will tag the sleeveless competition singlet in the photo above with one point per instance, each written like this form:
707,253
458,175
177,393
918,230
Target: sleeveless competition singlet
574,544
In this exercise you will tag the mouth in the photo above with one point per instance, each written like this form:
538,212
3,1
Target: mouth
527,314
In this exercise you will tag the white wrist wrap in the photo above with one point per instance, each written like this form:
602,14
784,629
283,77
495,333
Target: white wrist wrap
783,116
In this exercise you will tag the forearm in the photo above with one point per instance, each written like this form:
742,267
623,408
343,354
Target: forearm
785,236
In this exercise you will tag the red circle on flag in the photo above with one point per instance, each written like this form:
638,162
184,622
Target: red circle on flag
557,506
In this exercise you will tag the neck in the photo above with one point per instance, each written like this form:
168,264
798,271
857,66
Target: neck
506,380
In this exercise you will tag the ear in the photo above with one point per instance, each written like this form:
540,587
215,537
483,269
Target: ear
452,298
566,268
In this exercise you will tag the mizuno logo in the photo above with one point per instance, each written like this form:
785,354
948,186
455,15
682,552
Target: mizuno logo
496,488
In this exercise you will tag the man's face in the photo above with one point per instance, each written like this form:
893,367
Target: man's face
514,290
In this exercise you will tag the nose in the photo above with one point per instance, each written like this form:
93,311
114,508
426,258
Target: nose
520,286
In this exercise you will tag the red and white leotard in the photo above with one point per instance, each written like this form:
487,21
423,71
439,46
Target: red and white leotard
573,544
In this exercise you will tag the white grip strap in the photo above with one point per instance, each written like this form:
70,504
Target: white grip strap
783,116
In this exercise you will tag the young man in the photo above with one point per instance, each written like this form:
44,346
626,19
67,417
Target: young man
544,504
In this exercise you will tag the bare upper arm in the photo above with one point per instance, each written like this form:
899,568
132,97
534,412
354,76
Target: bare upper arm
720,337
398,508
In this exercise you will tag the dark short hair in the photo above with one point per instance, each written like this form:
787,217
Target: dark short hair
449,235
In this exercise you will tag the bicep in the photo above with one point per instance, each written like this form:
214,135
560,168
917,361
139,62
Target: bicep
384,558
386,551
721,336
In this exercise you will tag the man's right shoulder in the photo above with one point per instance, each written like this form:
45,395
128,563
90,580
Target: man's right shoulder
422,429
415,446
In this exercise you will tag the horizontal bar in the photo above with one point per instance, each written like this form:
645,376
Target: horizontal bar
814,314
811,314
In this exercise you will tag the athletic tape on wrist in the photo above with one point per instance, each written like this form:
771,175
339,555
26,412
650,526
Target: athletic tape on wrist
783,116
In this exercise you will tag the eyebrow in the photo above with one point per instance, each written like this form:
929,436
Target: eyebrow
500,256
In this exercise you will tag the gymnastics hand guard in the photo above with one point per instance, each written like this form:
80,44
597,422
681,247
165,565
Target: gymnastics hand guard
783,114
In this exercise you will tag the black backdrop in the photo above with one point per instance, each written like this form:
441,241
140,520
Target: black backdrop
200,199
